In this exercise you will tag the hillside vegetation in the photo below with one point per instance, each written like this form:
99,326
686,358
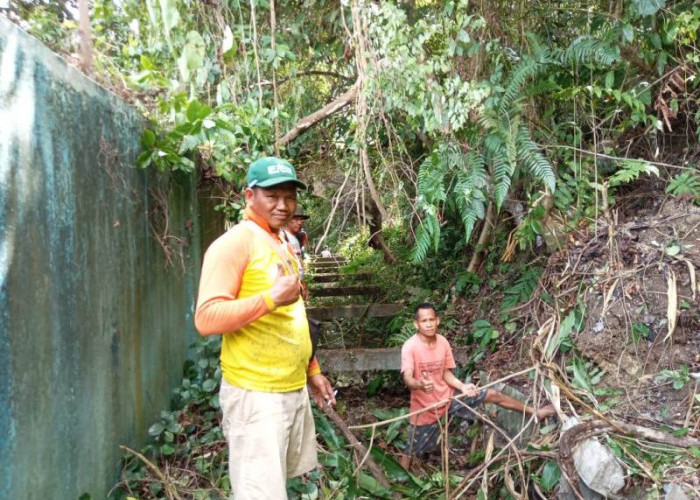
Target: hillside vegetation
529,166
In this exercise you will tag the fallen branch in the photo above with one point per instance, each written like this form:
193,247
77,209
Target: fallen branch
359,447
170,490
440,403
310,120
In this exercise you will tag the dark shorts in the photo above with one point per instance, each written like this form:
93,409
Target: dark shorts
423,438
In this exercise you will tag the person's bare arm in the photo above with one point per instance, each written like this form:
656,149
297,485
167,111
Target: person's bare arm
469,389
422,384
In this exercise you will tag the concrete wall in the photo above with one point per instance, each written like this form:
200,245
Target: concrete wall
93,327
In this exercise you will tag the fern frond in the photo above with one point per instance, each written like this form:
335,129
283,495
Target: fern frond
469,190
501,153
428,233
522,289
431,178
523,71
586,49
687,183
398,339
530,157
631,169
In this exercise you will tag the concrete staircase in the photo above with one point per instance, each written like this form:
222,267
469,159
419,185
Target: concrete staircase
353,296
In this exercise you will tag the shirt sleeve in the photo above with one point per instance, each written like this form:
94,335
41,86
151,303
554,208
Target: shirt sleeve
406,357
314,368
449,357
218,308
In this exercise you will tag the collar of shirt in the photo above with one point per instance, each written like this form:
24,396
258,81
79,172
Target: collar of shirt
248,214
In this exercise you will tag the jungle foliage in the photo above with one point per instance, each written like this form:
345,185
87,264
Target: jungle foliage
455,107
453,124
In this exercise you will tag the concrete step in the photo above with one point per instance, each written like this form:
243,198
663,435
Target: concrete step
343,291
357,360
326,313
338,277
339,260
326,265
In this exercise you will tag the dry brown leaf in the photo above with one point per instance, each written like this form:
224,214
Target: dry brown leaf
672,310
487,457
608,297
510,484
693,282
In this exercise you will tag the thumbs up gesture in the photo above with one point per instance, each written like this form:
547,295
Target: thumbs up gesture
426,383
285,289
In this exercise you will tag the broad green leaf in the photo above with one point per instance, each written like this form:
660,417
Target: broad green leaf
565,329
210,385
550,475
148,139
189,142
197,111
156,429
153,14
648,7
609,79
627,32
672,249
171,17
368,483
192,56
167,449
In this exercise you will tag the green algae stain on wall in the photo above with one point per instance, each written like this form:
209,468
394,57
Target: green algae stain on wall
94,327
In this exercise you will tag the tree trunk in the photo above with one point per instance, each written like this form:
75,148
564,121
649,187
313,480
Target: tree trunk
376,239
483,240
85,35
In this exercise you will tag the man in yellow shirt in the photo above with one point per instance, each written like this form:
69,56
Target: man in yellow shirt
250,292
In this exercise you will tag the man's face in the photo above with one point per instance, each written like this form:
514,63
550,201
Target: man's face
275,205
427,322
295,224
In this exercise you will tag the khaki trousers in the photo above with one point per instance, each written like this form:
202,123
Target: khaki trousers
271,436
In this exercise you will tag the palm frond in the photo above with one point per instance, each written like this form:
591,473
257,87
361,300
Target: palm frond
533,160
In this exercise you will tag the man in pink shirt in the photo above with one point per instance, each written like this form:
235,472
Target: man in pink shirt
426,364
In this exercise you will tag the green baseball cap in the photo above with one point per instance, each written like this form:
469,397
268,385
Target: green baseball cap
271,171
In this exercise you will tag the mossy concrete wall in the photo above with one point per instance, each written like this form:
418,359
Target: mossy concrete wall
94,325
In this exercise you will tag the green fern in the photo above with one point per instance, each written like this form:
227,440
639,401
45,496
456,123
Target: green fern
501,153
586,49
531,158
631,170
398,339
428,233
522,290
469,190
522,72
431,178
686,183
530,66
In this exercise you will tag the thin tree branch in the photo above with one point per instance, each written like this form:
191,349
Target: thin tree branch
310,120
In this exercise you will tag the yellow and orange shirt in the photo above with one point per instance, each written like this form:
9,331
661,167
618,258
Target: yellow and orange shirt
264,348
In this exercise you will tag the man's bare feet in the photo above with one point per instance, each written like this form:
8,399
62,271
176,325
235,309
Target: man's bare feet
545,412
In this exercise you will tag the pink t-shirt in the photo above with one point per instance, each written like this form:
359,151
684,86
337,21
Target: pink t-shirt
430,361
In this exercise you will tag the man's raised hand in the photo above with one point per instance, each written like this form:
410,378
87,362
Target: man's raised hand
285,289
426,383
